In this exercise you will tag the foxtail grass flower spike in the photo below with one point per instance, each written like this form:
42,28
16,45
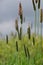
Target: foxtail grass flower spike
28,54
34,5
17,46
21,18
36,1
16,25
40,15
38,4
7,39
20,33
25,50
29,32
33,41
20,13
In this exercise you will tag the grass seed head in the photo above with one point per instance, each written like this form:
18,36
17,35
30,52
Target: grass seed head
16,24
34,5
21,18
20,9
38,4
33,41
17,46
36,1
20,12
40,15
7,39
20,33
29,32
25,51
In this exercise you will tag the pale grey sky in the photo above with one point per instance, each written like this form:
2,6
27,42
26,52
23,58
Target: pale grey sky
9,9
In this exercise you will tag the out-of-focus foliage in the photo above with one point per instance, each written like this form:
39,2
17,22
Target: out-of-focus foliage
9,55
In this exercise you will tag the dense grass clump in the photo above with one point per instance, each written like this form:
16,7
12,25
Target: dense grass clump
27,54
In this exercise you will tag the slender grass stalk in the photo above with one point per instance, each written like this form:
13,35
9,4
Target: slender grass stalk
35,24
41,24
38,14
41,33
25,50
34,16
38,24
